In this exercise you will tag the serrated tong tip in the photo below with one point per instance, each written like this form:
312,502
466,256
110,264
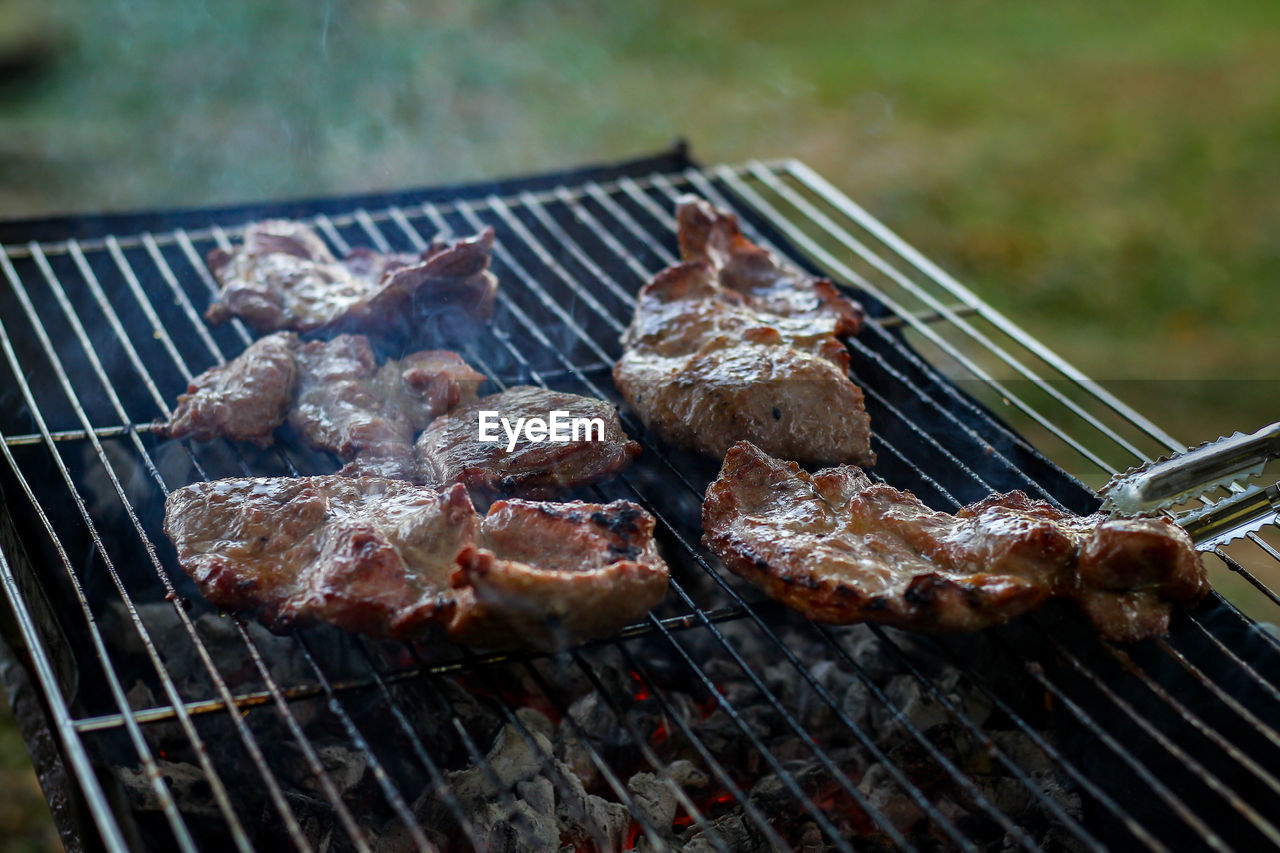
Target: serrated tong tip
1171,480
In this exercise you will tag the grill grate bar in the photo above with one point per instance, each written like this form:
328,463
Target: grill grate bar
389,790
960,778
158,329
1136,829
181,834
958,322
807,243
1253,674
566,218
473,221
443,789
1210,779
1194,720
602,765
855,212
619,787
713,764
170,689
183,240
308,751
952,460
98,803
394,799
672,193
572,248
20,250
511,262
1036,670
73,751
648,754
312,759
993,750
184,301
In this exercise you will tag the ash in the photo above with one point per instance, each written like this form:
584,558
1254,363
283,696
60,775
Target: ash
638,745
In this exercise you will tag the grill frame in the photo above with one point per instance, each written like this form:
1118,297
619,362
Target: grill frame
935,307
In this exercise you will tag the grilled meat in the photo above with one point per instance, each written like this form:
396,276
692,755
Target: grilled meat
450,450
244,399
346,403
389,559
841,549
334,395
283,276
734,344
552,573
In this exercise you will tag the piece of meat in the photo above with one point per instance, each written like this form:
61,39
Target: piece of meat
244,399
554,573
839,548
450,450
283,276
389,559
733,344
369,414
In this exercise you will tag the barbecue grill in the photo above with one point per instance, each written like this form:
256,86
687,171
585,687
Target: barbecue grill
721,722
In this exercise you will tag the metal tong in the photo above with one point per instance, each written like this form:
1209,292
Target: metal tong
1172,480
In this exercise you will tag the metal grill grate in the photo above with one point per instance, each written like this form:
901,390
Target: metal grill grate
1163,743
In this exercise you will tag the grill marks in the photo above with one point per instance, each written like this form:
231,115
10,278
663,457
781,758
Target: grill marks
733,344
390,559
841,549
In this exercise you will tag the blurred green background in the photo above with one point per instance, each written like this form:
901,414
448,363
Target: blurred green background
1104,172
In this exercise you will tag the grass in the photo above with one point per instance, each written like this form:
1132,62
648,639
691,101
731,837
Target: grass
25,823
1103,172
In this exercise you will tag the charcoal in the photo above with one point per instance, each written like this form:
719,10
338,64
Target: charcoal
539,794
525,832
654,800
140,696
596,720
513,758
687,775
536,721
573,753
734,832
186,782
589,817
476,716
883,794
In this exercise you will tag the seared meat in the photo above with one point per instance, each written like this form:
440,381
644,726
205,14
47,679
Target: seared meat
244,399
366,554
734,344
346,403
450,450
547,574
334,395
387,558
283,276
839,548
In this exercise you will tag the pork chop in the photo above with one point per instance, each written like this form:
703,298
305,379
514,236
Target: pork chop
369,414
283,276
450,449
244,399
840,548
734,344
389,559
